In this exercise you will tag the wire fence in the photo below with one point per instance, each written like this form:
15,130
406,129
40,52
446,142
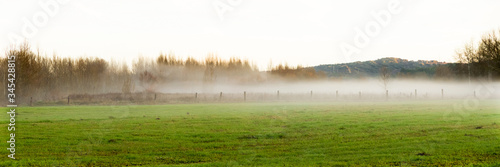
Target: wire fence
223,97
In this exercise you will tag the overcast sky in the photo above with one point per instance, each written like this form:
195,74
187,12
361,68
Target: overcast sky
306,32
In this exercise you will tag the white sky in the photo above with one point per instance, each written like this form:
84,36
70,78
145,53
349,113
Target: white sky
306,32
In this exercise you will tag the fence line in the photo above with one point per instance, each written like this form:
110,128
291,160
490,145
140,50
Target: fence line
229,97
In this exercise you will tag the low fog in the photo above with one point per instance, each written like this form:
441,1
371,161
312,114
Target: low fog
350,88
299,83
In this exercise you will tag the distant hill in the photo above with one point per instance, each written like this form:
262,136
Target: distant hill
397,66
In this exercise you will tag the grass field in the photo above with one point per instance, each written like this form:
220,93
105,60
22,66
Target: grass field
421,133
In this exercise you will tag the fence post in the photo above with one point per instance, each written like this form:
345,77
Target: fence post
196,97
311,93
31,101
474,93
244,95
220,96
68,99
415,93
442,94
155,97
278,94
337,94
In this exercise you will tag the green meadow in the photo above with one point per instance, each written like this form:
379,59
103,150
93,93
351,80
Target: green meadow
411,133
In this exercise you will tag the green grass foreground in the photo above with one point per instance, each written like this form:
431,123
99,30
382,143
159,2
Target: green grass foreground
421,133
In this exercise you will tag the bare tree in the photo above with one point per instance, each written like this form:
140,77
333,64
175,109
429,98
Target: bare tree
127,86
148,81
467,55
385,76
488,53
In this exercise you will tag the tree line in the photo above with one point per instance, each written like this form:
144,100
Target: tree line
480,59
53,77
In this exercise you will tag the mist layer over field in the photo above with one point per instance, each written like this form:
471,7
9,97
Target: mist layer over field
425,88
